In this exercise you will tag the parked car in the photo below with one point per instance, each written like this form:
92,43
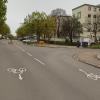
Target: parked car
29,41
86,42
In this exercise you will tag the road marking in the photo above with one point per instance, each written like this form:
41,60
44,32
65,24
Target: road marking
20,77
29,54
21,48
39,61
91,75
19,71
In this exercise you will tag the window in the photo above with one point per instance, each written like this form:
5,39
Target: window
89,15
89,8
94,16
79,14
95,9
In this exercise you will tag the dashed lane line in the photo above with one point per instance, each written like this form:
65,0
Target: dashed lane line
29,54
21,49
39,61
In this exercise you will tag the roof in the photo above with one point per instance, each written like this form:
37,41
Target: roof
98,6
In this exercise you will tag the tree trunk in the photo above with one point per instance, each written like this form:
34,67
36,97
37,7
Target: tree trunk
95,36
38,37
70,37
44,36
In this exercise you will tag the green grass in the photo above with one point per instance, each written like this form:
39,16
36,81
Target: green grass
96,46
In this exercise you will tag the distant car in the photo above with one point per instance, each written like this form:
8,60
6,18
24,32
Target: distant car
86,42
29,41
26,41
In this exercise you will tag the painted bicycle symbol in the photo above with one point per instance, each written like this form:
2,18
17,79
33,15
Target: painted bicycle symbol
90,75
19,71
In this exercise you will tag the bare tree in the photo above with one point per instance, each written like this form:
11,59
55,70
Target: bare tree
58,12
92,27
72,27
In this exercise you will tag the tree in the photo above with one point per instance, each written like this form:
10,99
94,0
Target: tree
39,24
21,32
71,27
5,29
92,27
3,9
58,12
49,27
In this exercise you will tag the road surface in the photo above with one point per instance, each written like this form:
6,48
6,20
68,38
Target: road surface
51,74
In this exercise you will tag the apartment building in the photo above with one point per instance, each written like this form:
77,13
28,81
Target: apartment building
89,16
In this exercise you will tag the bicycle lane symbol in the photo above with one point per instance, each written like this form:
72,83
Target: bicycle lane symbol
90,75
19,71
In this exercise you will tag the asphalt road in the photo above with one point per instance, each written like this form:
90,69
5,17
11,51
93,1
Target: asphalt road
51,74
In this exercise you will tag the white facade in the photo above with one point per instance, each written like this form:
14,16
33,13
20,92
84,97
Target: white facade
87,15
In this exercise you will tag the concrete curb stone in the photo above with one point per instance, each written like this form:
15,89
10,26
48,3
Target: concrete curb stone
90,59
98,57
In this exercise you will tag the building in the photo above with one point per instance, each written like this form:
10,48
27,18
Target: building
89,16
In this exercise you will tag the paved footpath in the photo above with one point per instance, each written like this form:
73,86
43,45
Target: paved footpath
91,58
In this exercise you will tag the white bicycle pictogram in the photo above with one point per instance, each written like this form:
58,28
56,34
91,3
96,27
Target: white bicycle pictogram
19,71
90,75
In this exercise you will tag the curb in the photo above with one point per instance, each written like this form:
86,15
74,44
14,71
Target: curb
93,62
69,47
54,46
88,63
98,57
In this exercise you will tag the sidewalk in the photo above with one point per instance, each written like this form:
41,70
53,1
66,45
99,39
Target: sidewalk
56,46
91,58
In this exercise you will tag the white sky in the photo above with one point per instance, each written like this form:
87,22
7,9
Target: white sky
18,9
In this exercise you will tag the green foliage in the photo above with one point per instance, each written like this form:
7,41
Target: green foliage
3,9
62,43
5,29
21,31
39,24
95,46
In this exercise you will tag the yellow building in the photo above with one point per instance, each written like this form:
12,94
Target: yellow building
89,16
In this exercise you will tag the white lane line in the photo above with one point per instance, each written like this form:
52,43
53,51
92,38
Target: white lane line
21,48
39,61
29,54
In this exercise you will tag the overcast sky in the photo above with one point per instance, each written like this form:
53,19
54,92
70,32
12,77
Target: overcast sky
18,9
